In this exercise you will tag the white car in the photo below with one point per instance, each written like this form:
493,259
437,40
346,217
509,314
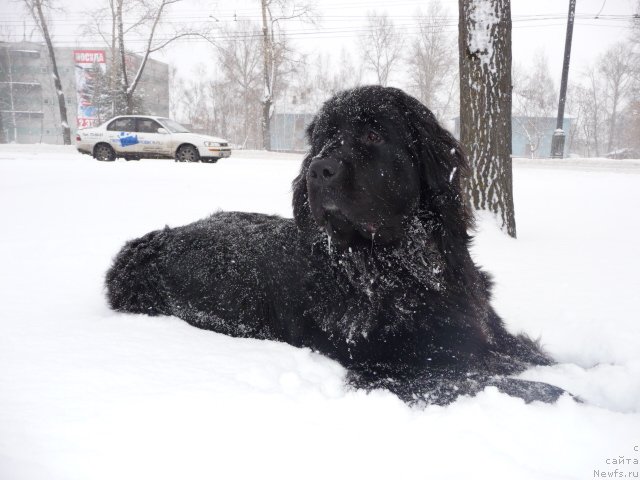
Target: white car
133,137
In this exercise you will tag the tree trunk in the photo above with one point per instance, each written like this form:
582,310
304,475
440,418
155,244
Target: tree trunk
66,131
267,99
485,105
266,124
113,58
3,138
122,56
612,122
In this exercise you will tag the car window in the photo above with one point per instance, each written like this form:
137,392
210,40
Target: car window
174,126
147,125
127,124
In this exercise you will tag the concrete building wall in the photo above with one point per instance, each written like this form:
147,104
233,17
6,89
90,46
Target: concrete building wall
28,100
288,131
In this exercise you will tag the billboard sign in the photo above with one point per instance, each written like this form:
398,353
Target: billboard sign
88,64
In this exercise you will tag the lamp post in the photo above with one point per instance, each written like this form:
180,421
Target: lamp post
557,141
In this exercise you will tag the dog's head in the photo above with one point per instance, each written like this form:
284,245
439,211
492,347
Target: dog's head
377,159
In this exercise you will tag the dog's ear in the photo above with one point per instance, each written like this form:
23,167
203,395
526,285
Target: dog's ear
443,165
301,208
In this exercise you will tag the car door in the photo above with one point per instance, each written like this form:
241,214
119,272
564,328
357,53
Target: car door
150,140
122,135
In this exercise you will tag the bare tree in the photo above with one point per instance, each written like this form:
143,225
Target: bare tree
230,102
153,13
580,105
635,27
4,70
240,56
618,73
534,100
431,61
591,109
485,105
134,21
3,137
381,46
329,75
37,9
214,106
605,100
630,133
274,13
196,108
320,77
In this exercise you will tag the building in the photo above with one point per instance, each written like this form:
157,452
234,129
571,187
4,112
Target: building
288,131
531,136
28,101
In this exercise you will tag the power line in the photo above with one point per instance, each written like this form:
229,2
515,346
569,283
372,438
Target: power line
177,18
404,28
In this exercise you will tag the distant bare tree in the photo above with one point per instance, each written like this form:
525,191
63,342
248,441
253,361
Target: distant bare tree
175,85
274,13
635,26
38,9
194,102
605,99
139,21
630,134
617,71
330,75
213,106
534,100
4,105
230,101
591,105
240,56
580,105
485,105
432,62
3,137
381,46
320,77
635,42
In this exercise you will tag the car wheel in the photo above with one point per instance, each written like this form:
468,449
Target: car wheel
104,153
187,153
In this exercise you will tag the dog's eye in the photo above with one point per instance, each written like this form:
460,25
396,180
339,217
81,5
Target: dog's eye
373,137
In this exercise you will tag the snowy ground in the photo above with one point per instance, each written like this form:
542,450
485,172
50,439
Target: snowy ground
86,393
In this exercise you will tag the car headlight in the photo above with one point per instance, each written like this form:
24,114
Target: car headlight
211,144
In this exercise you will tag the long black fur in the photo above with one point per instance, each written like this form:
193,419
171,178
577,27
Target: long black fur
373,271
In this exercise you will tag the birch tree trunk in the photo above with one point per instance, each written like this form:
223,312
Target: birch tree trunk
484,43
267,97
150,20
38,15
122,60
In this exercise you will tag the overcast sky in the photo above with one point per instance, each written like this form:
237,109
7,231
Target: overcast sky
537,24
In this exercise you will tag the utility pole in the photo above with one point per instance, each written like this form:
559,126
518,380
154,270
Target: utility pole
557,141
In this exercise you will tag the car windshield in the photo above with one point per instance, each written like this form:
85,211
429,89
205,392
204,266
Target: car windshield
173,126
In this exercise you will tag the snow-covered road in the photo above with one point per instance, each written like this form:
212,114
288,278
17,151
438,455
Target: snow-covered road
86,393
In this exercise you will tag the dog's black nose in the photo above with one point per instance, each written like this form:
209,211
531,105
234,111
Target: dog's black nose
324,169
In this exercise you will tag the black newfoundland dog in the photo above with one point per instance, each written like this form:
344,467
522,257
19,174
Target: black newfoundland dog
373,271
